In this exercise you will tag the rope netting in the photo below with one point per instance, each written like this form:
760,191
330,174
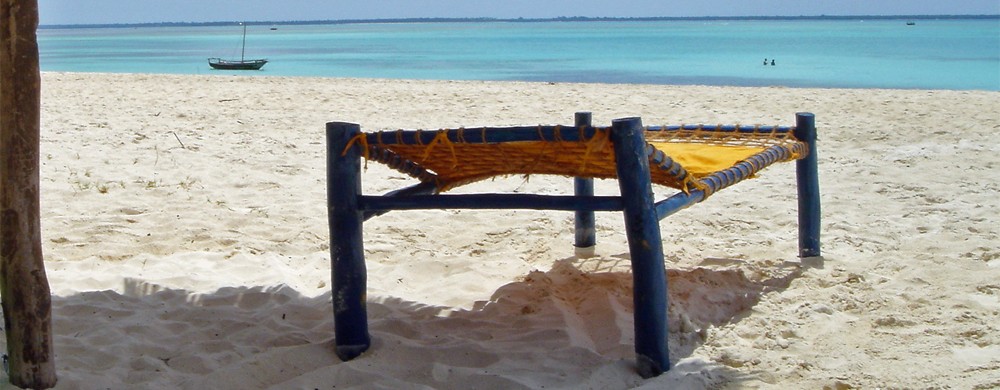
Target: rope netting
679,156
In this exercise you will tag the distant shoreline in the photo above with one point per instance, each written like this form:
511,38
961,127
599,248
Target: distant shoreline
525,20
762,86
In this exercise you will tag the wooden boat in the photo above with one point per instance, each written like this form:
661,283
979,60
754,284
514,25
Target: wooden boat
242,63
218,63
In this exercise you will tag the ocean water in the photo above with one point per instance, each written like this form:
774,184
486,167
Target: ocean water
932,54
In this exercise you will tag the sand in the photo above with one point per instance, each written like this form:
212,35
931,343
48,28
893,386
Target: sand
186,243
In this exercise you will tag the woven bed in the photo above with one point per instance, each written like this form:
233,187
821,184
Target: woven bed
696,160
680,156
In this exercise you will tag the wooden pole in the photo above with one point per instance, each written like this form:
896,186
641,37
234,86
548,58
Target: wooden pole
586,231
807,176
243,51
373,204
645,247
26,299
350,278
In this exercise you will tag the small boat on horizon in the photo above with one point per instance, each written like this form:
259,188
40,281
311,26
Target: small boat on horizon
218,63
242,63
911,23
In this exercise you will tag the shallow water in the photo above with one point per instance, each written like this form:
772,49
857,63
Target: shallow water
959,54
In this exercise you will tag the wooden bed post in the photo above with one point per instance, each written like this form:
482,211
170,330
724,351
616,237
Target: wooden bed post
343,185
26,298
586,232
645,247
807,176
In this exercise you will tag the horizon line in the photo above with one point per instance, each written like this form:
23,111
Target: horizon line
517,20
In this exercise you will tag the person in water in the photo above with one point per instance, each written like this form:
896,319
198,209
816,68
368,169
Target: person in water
772,62
765,62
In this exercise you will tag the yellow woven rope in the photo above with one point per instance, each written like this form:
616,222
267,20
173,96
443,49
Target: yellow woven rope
699,152
441,138
363,140
360,138
599,142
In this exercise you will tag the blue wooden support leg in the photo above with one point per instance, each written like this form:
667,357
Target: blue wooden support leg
807,176
347,254
586,232
645,246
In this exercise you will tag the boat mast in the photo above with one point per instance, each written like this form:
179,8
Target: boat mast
244,50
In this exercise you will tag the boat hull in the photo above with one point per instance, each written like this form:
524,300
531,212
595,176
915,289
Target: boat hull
218,63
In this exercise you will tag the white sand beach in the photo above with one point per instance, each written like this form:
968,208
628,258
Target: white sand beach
186,243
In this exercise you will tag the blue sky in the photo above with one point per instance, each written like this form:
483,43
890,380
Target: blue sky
147,11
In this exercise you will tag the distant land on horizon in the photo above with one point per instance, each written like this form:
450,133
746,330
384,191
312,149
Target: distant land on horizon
520,20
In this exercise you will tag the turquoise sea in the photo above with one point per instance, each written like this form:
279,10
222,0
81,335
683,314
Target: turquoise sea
958,54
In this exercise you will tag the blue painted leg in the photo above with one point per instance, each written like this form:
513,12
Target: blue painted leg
346,241
645,246
586,232
807,175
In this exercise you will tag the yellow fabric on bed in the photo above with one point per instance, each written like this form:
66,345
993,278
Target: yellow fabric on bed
449,163
701,160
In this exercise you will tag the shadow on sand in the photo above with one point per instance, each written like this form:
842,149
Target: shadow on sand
564,328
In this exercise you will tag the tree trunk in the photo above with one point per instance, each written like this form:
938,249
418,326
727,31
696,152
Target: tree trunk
27,302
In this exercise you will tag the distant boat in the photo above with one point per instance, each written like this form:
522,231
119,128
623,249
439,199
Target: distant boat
242,63
911,23
222,64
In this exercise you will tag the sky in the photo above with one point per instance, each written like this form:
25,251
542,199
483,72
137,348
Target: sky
154,11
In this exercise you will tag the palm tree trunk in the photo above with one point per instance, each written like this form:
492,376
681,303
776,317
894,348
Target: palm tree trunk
26,300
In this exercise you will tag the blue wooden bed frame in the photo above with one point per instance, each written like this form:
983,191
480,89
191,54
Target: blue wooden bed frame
349,208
